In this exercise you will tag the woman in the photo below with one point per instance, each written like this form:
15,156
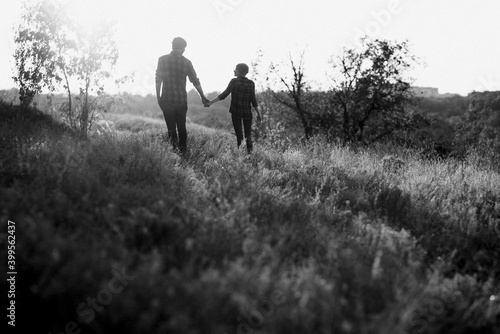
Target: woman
242,92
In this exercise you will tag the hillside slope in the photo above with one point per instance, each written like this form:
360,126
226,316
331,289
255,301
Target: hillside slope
118,234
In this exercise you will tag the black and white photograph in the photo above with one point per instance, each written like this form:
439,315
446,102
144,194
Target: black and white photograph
250,166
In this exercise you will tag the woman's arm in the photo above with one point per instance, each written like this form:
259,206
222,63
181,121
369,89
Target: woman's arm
223,95
213,101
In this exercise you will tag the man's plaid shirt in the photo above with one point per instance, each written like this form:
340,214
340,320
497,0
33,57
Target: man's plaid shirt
172,71
242,92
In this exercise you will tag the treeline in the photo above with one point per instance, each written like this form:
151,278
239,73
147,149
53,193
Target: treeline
438,126
442,126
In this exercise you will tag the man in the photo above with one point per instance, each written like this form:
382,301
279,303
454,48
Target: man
172,71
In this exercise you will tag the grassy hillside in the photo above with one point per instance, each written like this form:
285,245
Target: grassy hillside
117,234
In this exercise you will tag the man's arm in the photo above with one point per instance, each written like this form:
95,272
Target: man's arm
259,117
158,89
204,100
158,80
196,83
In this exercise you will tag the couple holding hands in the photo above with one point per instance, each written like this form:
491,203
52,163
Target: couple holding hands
171,94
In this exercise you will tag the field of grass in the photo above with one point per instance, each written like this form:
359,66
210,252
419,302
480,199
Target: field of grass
117,234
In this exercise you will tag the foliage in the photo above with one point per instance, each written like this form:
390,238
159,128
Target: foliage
295,88
35,53
309,238
478,128
52,49
443,115
371,93
448,109
370,99
279,123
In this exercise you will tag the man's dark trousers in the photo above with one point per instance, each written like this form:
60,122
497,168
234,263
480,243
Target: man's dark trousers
175,117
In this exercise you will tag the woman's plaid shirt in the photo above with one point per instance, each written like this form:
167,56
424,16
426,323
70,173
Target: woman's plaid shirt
242,92
172,71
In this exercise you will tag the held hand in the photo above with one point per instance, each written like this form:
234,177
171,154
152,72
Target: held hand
205,101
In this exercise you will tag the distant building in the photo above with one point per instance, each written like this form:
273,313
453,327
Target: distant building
425,91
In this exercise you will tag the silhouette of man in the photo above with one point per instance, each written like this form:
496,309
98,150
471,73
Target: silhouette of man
171,74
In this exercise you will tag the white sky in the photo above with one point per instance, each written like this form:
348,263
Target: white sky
458,39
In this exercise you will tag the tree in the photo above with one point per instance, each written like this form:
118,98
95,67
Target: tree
371,94
52,49
295,89
97,54
34,54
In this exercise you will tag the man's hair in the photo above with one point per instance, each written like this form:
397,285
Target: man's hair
243,68
179,43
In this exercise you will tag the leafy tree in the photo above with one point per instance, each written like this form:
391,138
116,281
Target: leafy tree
371,94
97,54
34,54
52,49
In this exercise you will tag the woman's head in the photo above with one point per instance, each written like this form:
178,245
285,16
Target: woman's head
241,69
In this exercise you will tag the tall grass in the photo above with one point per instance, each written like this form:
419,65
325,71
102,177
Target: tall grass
308,238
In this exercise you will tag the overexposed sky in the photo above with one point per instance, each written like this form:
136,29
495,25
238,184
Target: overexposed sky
457,39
